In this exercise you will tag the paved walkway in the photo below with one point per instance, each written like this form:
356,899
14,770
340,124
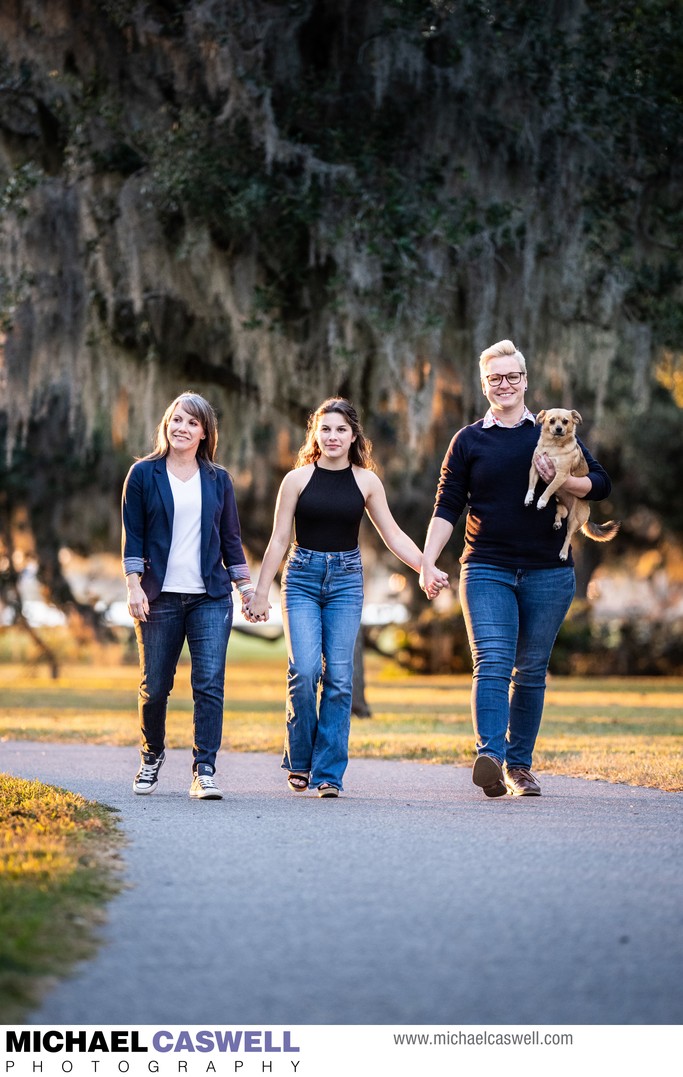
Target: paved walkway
412,899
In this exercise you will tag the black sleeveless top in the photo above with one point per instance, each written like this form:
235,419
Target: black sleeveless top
329,511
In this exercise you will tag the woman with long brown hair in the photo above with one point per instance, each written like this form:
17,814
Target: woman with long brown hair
182,553
323,498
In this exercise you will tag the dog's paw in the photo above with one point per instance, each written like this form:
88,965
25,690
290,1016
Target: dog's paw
557,524
541,503
528,500
563,555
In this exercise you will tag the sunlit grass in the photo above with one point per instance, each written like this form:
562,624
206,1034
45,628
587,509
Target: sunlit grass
621,729
58,864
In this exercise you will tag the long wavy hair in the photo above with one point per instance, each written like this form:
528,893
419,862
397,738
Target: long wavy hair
195,405
360,451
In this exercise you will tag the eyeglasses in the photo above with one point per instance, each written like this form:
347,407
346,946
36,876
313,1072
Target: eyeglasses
513,378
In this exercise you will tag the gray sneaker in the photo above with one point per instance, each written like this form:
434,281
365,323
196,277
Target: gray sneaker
147,778
203,785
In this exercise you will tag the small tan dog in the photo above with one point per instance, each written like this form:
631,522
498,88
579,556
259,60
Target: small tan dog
558,441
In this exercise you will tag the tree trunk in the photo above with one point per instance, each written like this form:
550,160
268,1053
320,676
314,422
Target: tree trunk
359,705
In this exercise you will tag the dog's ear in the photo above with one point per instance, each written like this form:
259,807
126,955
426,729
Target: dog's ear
576,417
540,417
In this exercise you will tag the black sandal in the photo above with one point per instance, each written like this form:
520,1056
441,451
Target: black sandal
298,783
327,790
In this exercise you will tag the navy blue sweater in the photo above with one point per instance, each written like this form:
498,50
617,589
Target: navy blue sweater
488,470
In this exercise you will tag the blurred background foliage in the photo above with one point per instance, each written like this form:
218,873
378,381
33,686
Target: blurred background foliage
272,201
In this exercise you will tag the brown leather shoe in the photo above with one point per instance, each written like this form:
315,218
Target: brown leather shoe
521,782
487,773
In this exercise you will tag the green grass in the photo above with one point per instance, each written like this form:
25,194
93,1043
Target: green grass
58,865
621,729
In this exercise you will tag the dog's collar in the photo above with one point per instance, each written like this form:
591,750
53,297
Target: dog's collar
490,420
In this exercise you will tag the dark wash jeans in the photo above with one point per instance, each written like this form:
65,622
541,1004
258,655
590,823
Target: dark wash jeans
205,623
322,602
512,618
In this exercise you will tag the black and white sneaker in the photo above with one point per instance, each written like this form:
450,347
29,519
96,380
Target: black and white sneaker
203,785
147,778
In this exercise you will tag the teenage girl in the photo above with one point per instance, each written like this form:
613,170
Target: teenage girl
323,498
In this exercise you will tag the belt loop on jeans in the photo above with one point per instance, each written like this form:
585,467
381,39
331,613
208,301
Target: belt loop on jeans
348,556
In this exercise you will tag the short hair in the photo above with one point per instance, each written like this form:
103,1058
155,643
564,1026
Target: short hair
497,351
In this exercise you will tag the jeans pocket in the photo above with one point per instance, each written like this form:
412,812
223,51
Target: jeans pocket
297,559
353,565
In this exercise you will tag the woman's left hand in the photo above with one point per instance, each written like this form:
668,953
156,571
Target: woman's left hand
255,609
246,597
433,581
442,581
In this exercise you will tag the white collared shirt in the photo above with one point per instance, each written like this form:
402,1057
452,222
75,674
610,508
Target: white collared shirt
492,420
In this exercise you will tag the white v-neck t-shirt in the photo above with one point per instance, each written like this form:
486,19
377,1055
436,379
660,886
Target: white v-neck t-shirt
183,571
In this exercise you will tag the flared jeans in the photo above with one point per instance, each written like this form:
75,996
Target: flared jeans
322,602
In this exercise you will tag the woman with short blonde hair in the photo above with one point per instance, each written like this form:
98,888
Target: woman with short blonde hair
514,589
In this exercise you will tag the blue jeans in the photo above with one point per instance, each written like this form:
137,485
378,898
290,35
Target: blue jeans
322,601
205,622
512,618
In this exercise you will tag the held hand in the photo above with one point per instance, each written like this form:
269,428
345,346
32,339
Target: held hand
433,581
246,596
442,579
257,609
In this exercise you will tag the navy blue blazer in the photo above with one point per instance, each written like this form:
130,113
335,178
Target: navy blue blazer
147,513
